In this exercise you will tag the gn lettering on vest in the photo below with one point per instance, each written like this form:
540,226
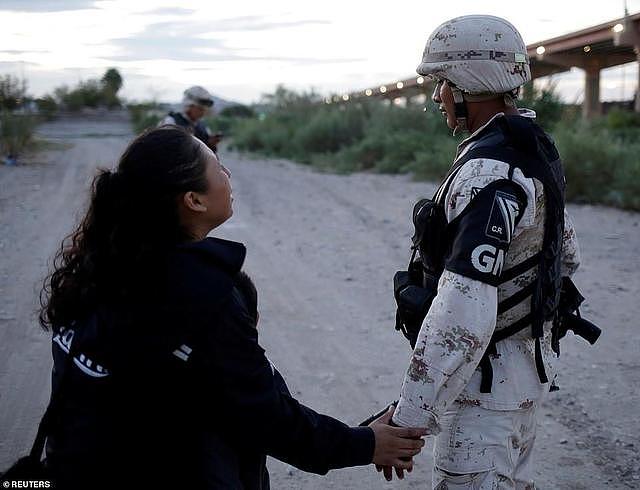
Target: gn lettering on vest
488,259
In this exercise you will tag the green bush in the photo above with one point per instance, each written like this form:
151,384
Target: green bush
600,167
13,91
144,115
237,110
248,136
47,106
16,132
545,102
600,157
367,135
619,119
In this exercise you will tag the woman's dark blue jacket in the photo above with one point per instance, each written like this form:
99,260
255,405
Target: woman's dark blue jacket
157,383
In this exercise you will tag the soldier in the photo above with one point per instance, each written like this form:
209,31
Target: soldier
482,361
196,103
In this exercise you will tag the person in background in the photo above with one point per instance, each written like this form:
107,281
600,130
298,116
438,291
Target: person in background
196,103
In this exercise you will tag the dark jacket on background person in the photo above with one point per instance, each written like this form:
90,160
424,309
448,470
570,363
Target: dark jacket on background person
197,128
157,383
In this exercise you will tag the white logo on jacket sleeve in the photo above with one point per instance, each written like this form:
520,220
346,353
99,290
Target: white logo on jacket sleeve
64,338
502,220
488,259
88,367
183,352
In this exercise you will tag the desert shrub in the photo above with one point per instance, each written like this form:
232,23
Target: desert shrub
600,167
144,115
545,102
47,106
620,119
12,92
600,156
16,132
237,110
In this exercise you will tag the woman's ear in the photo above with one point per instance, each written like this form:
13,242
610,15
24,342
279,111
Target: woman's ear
193,202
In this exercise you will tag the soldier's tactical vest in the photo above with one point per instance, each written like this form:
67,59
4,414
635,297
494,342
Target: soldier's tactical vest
519,142
198,129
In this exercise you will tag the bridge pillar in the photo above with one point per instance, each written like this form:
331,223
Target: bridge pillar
591,106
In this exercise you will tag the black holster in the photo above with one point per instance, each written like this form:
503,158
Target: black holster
415,288
569,318
414,291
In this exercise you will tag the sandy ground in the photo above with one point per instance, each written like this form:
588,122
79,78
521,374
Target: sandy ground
322,250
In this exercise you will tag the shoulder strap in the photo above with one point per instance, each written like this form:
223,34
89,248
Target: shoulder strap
480,152
180,119
484,146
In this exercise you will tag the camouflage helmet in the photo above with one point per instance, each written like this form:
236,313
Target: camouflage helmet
198,96
479,54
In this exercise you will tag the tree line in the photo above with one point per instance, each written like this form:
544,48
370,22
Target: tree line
92,93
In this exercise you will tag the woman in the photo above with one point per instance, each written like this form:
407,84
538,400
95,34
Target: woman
168,384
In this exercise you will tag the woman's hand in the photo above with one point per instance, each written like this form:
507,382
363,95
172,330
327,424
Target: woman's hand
395,446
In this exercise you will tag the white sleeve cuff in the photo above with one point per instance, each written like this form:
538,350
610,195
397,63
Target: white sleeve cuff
406,415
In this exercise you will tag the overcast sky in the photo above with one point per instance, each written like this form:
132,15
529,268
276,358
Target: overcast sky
239,49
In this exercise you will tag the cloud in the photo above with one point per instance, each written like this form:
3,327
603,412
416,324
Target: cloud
168,11
182,41
258,23
46,5
16,65
166,40
21,51
287,59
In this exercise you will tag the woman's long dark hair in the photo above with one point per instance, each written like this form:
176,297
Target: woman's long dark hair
131,222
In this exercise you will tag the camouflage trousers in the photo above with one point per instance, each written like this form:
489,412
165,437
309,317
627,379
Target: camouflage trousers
482,449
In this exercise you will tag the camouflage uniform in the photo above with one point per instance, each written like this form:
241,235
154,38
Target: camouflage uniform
483,440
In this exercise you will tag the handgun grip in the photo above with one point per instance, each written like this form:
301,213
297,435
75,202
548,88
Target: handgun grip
583,328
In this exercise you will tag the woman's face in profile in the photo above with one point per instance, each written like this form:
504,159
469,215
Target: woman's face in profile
218,197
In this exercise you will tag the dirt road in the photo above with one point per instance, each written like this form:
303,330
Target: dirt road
322,250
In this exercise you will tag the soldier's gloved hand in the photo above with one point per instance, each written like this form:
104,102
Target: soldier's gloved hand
214,139
395,447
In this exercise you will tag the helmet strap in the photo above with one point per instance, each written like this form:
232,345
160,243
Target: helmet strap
509,100
460,107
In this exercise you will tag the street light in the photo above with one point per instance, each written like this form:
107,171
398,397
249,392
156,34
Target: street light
383,89
540,50
399,85
420,80
618,28
345,97
368,92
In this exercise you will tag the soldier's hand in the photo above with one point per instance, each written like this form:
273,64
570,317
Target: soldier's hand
395,446
387,471
214,139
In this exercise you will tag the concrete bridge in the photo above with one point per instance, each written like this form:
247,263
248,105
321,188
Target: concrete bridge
612,43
